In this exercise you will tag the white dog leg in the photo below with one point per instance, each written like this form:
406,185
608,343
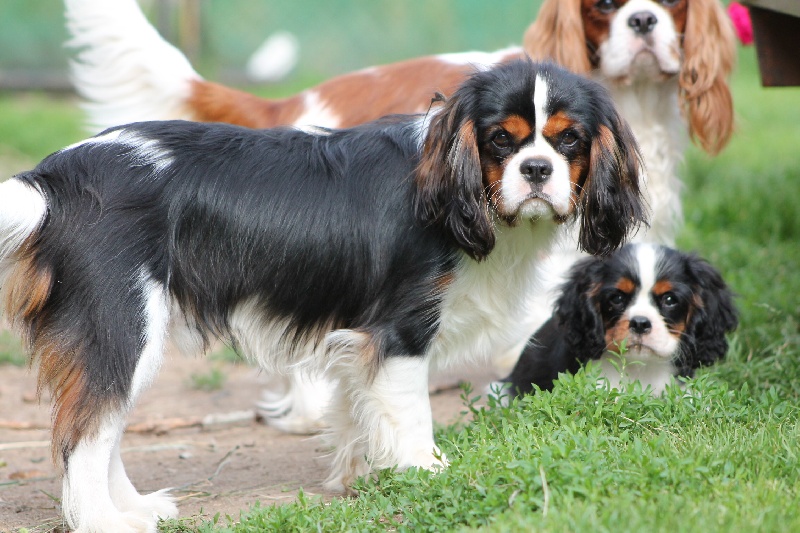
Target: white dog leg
127,499
86,498
385,422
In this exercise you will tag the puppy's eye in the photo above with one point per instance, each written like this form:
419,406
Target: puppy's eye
569,139
669,3
669,299
605,6
617,299
501,140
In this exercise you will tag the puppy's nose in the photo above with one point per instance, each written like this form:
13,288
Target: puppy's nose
642,22
536,170
640,325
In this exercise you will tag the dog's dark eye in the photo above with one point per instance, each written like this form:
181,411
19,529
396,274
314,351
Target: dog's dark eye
668,299
606,6
617,299
669,3
569,139
501,140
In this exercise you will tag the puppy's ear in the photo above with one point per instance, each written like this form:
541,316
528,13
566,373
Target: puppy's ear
611,201
709,46
450,190
714,313
557,35
576,310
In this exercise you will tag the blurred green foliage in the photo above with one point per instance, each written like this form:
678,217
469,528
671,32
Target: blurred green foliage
335,36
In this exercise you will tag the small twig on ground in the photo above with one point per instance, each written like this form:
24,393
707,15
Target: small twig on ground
16,425
160,427
28,444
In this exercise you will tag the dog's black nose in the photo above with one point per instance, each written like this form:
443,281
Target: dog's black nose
640,325
642,22
536,170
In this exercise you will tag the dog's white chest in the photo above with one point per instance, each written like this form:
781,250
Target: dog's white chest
487,308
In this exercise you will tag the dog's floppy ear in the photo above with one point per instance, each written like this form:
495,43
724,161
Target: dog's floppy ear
611,201
450,190
709,45
714,313
577,313
557,34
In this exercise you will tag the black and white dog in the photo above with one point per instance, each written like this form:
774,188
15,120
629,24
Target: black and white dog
369,253
648,313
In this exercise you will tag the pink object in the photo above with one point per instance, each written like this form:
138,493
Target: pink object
740,16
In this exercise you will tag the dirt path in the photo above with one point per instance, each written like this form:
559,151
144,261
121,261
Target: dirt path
217,469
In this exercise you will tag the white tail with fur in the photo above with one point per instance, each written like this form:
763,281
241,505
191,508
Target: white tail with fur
124,69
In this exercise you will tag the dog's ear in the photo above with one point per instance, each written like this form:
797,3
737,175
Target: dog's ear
577,313
450,191
611,201
713,316
557,35
709,46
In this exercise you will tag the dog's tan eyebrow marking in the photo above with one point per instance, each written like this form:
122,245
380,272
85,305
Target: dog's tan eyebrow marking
662,287
517,126
626,285
556,124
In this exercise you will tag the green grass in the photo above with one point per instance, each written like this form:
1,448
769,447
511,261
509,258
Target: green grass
722,458
11,352
36,124
585,459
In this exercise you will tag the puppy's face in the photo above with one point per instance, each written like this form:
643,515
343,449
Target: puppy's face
646,304
635,39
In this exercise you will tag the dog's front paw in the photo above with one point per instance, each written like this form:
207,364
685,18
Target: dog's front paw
433,460
118,523
158,505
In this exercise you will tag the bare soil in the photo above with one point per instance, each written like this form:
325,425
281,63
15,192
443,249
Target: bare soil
222,467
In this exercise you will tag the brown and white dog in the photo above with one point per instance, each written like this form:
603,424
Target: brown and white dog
370,253
665,62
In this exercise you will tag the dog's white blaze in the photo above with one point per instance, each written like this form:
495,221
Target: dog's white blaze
516,189
643,304
558,187
659,338
646,259
540,90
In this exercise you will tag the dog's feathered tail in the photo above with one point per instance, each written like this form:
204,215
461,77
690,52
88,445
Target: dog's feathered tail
22,211
125,71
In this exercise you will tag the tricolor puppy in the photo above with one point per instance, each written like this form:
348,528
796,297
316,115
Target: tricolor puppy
370,253
648,313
